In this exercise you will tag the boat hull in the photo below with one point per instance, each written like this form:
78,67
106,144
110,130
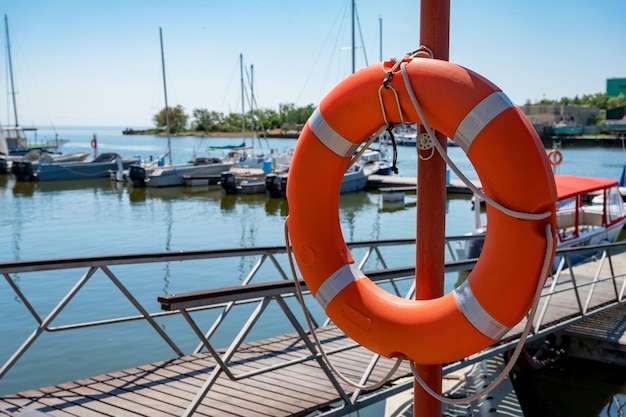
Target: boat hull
62,171
242,185
173,175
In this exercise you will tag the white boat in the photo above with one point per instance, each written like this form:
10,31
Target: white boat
406,139
162,175
245,156
155,175
579,221
354,179
42,170
251,184
404,135
42,155
376,158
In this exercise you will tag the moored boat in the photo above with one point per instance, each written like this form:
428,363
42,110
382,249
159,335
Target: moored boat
155,175
232,184
376,158
354,179
4,153
15,135
99,167
567,128
582,219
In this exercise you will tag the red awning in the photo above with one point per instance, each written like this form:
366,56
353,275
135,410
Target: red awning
569,185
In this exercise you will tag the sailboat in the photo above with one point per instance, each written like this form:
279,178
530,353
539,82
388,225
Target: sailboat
4,153
15,135
158,174
244,156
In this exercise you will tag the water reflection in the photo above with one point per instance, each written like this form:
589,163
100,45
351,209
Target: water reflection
142,194
277,207
29,187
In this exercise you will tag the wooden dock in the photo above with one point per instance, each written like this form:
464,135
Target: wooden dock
396,183
293,387
165,389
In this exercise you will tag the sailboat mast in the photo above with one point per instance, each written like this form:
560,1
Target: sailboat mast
380,38
252,102
243,117
353,41
6,26
167,110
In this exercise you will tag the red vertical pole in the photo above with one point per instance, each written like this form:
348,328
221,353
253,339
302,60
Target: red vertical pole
431,198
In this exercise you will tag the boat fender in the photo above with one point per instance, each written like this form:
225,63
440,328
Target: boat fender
512,165
555,156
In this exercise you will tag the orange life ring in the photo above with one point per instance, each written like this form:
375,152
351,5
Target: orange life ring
513,168
555,156
94,143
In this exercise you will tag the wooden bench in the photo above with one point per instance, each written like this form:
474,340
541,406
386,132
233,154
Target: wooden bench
202,298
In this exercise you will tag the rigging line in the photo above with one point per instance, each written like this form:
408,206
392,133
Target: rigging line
252,104
317,58
333,58
233,74
358,23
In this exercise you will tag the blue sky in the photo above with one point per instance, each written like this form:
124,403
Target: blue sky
96,63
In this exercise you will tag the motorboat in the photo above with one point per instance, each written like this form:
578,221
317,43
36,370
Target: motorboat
161,175
354,179
42,155
589,211
376,158
252,184
51,170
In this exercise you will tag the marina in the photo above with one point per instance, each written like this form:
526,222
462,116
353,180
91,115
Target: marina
160,277
119,219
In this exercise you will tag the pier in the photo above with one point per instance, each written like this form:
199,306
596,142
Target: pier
409,184
285,375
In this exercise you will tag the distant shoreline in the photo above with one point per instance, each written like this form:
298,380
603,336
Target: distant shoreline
548,142
279,135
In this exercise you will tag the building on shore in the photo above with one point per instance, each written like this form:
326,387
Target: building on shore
559,119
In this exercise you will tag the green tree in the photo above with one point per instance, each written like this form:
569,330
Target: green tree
206,121
600,100
619,101
270,118
291,114
177,117
233,121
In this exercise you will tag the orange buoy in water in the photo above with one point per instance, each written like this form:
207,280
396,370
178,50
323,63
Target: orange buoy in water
513,169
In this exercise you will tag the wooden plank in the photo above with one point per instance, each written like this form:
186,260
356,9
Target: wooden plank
170,393
249,387
50,404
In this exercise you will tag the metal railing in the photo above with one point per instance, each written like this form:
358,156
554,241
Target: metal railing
258,295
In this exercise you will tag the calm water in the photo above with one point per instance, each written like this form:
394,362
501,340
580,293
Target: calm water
50,220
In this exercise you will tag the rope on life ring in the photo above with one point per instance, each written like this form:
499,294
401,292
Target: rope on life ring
513,169
555,156
94,143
